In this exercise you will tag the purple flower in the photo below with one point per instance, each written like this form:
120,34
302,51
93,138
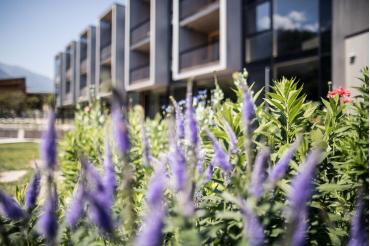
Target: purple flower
33,190
248,106
48,221
151,232
191,122
300,228
232,137
302,186
93,177
100,212
281,166
180,128
258,174
209,172
178,165
253,229
156,188
358,225
48,143
109,178
10,208
76,208
146,146
300,194
220,157
120,129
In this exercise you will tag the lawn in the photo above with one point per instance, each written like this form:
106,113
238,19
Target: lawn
17,156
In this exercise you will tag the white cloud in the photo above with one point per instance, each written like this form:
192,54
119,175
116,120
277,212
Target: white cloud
293,21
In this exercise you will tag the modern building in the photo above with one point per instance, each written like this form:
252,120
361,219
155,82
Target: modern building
150,51
69,79
110,55
85,64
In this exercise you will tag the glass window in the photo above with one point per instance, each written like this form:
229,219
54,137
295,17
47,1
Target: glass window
258,17
296,24
305,71
259,47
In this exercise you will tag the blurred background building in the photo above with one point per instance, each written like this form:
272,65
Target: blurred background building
148,49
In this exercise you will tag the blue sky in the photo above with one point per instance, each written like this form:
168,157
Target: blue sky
33,31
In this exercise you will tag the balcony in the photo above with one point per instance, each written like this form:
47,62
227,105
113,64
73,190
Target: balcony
140,33
190,7
83,66
84,91
105,53
68,97
200,55
139,73
69,74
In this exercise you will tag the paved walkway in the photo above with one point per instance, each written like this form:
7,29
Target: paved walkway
11,176
18,140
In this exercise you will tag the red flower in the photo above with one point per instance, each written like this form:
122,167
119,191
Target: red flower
341,92
346,99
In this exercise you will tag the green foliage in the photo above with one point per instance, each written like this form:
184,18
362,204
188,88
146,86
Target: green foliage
340,129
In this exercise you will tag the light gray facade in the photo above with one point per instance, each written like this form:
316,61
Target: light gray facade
85,64
110,36
350,45
207,38
69,78
147,44
58,78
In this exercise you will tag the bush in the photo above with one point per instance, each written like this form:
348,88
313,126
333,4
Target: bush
286,172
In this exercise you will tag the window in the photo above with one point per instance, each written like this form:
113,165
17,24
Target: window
68,87
259,35
258,18
296,24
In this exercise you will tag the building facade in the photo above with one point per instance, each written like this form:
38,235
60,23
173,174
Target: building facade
148,49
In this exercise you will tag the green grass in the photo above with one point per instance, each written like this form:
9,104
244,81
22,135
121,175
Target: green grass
17,156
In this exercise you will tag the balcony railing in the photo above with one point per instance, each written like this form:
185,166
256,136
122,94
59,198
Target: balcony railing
69,73
139,73
83,66
200,55
84,91
68,97
190,7
140,31
105,53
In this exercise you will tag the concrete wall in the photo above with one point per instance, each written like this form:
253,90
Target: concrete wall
350,17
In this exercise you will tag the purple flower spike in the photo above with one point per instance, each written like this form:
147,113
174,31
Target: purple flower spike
48,222
209,172
10,208
232,137
100,212
281,166
151,232
180,128
48,143
248,106
191,122
156,188
76,208
94,178
109,178
302,186
300,194
258,174
146,146
220,157
178,165
299,236
359,234
33,190
252,227
120,129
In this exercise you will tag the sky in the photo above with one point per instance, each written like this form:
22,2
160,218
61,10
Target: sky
32,32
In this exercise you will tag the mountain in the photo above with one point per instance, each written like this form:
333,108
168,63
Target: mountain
35,83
